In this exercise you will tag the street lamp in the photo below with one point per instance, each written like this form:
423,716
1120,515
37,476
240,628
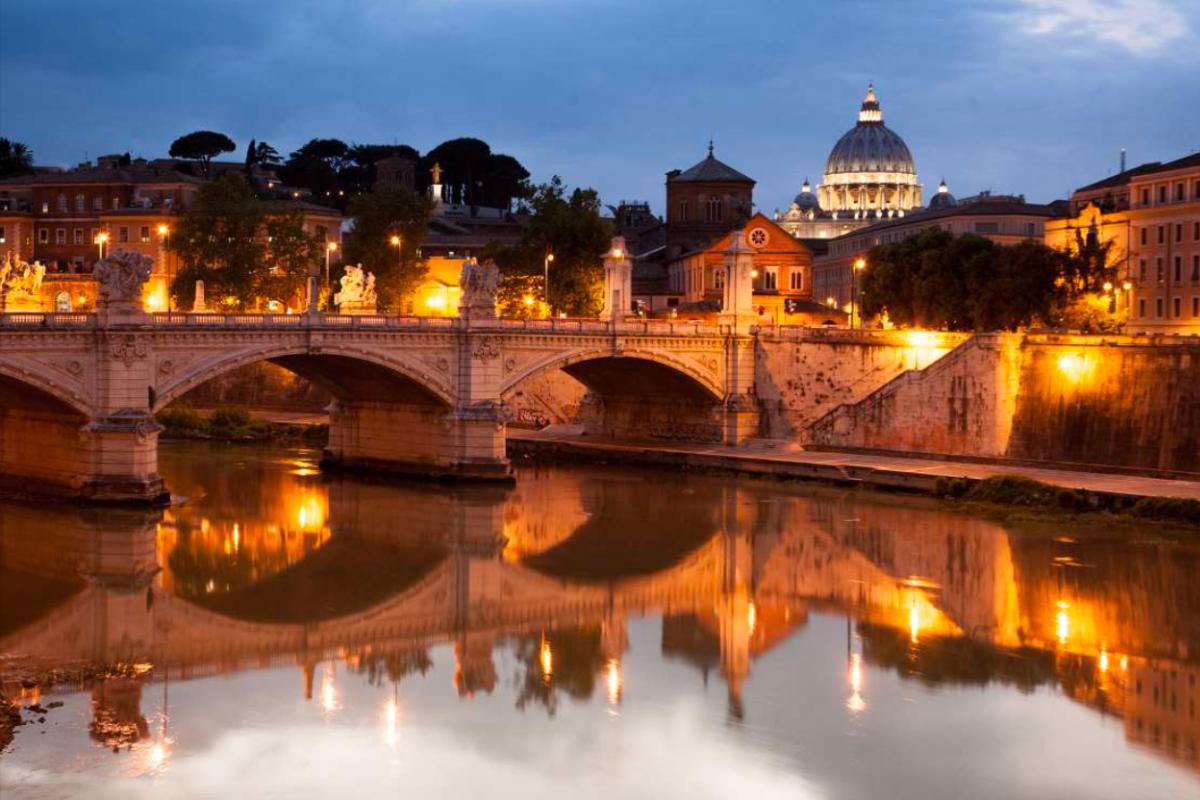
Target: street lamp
397,241
860,264
101,240
546,279
164,232
330,249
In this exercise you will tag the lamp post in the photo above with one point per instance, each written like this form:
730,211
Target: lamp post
398,242
101,240
546,281
164,232
860,264
330,249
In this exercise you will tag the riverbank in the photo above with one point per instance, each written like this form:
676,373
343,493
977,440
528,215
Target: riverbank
237,424
1024,487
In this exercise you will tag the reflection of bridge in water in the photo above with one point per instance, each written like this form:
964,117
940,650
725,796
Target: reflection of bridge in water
734,572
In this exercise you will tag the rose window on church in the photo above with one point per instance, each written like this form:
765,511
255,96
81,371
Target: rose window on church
758,237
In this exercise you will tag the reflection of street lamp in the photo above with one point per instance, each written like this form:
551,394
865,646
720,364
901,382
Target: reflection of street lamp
100,241
546,278
164,232
860,264
330,249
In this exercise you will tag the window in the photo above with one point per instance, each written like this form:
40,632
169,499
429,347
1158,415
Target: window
1196,268
79,236
1030,230
1178,304
1142,269
80,203
62,202
1196,231
987,227
1162,234
1142,309
3,235
144,234
1144,235
1195,306
60,235
1158,308
116,202
97,203
1197,192
1146,196
1158,269
770,279
1178,268
45,207
62,303
796,280
719,278
95,233
123,234
1162,194
1179,231
1179,192
713,209
683,210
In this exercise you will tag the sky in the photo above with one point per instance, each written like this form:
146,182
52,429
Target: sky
1014,96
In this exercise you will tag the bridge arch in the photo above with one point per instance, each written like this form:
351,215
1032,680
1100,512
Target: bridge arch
346,372
20,386
637,394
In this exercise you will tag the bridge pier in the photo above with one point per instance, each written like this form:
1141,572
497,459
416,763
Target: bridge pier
417,439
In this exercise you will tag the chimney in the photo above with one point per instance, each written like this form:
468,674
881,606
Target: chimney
1122,159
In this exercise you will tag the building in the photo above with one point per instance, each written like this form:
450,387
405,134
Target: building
1004,220
1150,217
66,219
461,231
704,202
869,176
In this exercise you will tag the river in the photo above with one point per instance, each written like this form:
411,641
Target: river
589,633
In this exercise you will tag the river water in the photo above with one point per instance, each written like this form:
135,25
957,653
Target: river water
590,633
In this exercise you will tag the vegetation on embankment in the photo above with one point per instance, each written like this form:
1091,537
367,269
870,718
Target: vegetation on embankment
234,424
1028,497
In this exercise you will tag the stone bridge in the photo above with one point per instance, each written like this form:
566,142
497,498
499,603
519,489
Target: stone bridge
78,392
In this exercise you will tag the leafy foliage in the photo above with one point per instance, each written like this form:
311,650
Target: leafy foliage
291,255
218,242
570,228
202,146
379,215
15,158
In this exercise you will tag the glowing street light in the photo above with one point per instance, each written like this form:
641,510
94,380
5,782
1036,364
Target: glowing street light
860,264
100,241
330,249
546,277
397,241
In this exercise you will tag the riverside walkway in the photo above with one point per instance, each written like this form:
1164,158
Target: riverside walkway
781,459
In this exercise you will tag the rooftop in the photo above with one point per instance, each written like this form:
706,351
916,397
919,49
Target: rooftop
709,170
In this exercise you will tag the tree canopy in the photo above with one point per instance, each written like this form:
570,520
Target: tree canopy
378,216
202,147
571,228
15,158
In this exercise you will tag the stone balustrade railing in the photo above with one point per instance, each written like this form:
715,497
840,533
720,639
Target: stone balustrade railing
174,320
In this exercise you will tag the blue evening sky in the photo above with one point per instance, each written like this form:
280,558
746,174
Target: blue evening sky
1023,96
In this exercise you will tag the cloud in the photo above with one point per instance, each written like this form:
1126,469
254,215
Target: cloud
1141,27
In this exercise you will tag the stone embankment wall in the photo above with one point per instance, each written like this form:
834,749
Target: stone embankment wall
1117,401
801,374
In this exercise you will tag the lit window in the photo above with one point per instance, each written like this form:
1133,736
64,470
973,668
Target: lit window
116,201
45,207
144,234
3,235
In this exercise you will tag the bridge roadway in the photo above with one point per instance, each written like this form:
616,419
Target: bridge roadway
78,392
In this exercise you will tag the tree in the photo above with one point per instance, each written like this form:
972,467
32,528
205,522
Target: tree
266,155
378,216
316,166
218,240
290,255
571,229
251,156
202,147
464,162
15,158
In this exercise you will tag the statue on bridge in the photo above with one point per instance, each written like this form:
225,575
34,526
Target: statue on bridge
358,292
21,285
479,284
122,274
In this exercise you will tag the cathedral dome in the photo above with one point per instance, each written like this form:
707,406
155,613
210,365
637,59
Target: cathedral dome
807,200
943,198
870,146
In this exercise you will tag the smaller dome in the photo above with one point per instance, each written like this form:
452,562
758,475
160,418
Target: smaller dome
806,200
943,198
